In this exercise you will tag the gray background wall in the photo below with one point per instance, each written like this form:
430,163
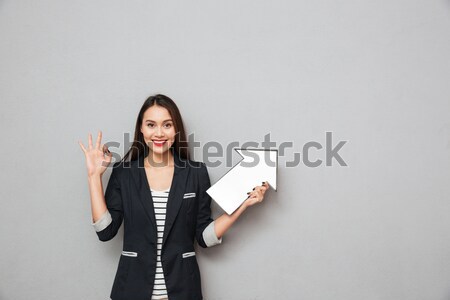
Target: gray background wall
374,73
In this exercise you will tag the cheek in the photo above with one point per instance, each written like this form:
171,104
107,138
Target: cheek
171,135
146,131
146,134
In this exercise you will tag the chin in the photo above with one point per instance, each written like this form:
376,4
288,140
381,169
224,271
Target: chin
161,151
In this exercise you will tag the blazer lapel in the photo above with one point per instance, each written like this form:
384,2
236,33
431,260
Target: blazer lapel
175,194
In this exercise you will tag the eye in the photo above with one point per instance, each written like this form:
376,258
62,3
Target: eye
149,124
168,125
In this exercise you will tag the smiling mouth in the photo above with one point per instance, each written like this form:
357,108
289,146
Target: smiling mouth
159,143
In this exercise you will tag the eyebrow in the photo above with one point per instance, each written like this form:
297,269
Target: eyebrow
154,121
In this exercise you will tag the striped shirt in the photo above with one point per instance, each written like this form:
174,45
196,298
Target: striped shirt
160,204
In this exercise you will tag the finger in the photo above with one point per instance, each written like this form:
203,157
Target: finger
99,140
108,156
108,153
260,188
90,141
258,195
257,188
258,198
82,147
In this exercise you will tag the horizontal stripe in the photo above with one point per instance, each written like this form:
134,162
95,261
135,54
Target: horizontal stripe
156,297
159,293
160,202
163,192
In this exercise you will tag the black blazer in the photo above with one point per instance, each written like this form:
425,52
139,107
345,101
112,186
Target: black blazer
128,198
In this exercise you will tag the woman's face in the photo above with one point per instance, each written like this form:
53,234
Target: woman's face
157,125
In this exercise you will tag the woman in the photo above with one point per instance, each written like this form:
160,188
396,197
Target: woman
160,195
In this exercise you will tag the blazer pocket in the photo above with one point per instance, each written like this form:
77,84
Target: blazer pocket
187,254
188,195
129,253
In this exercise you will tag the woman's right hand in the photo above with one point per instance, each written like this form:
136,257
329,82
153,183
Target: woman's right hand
97,158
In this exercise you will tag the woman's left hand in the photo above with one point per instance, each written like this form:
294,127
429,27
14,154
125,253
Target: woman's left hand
256,195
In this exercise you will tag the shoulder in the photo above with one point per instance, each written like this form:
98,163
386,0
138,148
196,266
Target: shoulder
122,164
199,170
195,166
119,167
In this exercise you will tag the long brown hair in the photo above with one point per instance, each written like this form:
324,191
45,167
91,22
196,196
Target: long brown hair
140,148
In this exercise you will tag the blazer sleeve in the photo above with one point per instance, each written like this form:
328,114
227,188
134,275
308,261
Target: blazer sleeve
108,225
205,234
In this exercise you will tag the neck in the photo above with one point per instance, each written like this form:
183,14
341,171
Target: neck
159,159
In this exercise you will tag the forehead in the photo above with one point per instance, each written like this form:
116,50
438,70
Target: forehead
157,113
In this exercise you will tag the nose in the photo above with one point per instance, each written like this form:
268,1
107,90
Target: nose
159,131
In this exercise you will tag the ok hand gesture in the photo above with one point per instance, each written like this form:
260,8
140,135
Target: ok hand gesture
97,158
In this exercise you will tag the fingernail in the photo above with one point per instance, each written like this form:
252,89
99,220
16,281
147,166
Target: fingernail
248,193
263,182
253,189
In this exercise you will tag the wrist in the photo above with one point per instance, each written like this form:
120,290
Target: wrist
244,205
92,177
